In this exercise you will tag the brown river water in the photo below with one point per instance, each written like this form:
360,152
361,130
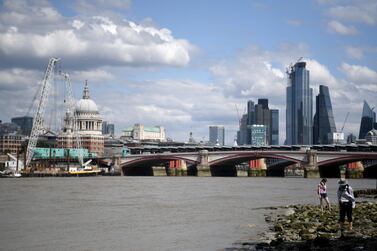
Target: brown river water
145,213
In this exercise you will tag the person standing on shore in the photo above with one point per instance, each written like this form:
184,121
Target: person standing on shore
322,193
346,201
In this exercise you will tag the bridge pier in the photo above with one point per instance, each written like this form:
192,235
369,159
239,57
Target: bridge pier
203,167
311,169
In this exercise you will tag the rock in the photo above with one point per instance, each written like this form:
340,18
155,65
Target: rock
289,211
279,228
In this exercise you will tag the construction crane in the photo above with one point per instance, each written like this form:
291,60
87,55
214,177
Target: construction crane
73,118
38,127
345,120
288,70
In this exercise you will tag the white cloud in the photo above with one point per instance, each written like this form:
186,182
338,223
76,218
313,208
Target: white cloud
96,75
357,11
361,76
354,52
179,105
84,41
320,74
338,27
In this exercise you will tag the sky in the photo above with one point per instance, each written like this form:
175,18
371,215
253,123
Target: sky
186,65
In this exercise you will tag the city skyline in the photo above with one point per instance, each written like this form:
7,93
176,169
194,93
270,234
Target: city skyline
186,65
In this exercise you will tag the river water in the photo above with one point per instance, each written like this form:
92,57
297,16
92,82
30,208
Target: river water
144,213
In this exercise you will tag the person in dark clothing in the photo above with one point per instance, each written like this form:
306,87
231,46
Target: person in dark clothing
346,201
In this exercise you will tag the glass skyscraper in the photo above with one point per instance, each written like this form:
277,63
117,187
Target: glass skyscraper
274,127
368,120
324,123
299,115
217,135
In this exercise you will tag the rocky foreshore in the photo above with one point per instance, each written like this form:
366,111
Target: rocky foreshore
307,227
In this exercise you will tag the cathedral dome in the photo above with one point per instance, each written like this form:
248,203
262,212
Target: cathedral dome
86,105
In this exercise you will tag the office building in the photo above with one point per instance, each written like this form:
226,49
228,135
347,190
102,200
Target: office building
108,129
299,114
258,135
140,132
274,137
10,143
324,123
25,123
351,138
259,114
368,120
242,132
217,135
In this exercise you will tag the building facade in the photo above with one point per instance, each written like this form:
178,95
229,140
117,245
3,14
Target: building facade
88,126
10,143
368,121
140,132
371,137
259,114
258,135
108,129
217,135
299,114
324,123
25,123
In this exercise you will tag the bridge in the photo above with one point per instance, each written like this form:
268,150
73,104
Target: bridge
222,161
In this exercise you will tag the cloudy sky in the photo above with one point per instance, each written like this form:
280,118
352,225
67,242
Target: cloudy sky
188,64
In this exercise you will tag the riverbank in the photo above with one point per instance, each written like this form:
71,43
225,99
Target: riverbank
307,227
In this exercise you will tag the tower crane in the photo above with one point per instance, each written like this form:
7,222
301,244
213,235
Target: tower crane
73,117
37,128
345,120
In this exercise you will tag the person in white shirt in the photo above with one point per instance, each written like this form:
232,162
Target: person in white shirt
346,201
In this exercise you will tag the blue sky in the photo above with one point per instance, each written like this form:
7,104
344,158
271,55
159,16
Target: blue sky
187,64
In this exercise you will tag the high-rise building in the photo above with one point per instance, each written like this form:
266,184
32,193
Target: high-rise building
368,120
25,123
243,132
258,135
107,128
299,115
324,124
351,138
217,135
274,127
259,114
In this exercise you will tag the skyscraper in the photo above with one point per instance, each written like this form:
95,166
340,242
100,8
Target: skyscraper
299,115
274,127
324,123
259,114
368,120
216,134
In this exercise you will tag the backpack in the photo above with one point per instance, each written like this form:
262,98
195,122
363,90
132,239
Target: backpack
344,194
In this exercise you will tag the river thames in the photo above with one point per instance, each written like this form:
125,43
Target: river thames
145,213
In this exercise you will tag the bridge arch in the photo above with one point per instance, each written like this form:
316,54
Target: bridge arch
143,166
331,168
226,165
